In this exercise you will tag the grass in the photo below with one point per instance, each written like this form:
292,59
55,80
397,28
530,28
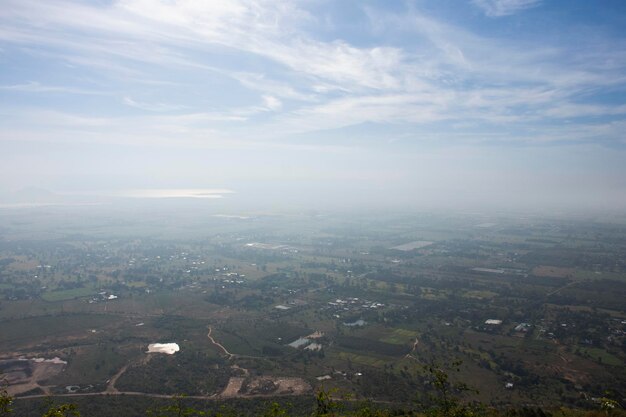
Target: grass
592,275
93,364
400,337
480,294
63,295
233,343
601,355
35,329
433,294
362,359
554,271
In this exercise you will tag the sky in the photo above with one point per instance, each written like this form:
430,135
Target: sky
398,104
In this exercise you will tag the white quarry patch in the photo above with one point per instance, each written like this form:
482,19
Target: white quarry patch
55,360
167,348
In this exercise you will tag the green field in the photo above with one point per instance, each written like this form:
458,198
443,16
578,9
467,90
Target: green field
362,359
172,290
400,337
602,356
37,329
71,294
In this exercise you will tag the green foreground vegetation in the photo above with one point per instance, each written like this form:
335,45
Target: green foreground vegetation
445,401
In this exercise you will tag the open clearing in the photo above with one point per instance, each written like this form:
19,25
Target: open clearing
418,244
63,295
400,337
24,375
553,271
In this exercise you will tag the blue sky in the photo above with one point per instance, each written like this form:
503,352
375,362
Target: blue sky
455,101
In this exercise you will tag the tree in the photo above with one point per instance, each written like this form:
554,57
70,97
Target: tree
275,410
5,400
445,402
608,404
175,410
325,405
64,410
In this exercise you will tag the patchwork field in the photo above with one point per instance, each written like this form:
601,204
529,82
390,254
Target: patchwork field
345,305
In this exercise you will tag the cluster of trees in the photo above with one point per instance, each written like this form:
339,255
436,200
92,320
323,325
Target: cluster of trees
443,398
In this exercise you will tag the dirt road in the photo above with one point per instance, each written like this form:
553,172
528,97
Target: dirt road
219,345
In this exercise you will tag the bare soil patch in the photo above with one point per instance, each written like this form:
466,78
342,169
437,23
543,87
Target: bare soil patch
26,375
233,387
553,271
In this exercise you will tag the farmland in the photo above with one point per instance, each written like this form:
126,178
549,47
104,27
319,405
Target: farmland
534,307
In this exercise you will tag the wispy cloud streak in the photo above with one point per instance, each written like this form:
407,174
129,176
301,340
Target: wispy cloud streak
499,8
257,69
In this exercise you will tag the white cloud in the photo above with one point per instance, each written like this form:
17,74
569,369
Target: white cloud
35,87
498,8
153,107
260,82
148,31
307,83
272,103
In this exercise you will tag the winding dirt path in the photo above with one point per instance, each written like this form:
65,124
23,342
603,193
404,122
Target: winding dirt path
219,345
410,354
